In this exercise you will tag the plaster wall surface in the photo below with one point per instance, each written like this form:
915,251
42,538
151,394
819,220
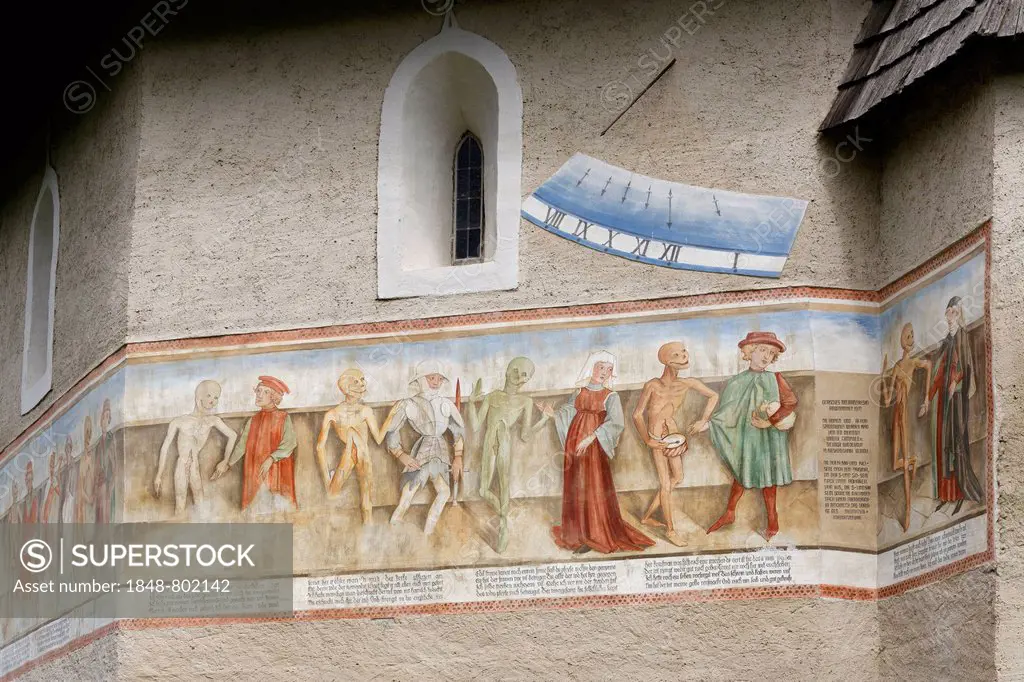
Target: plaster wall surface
779,639
945,631
257,173
1008,361
99,660
94,156
936,181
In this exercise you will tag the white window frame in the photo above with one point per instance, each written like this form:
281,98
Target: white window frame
34,389
501,270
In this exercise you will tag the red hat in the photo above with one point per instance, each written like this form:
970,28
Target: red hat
767,338
274,384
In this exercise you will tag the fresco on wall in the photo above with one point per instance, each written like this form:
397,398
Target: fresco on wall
933,456
67,472
617,211
738,441
539,458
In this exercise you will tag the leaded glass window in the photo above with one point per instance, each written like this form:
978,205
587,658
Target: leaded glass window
468,222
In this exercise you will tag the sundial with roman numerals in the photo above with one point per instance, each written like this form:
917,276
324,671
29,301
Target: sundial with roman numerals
616,211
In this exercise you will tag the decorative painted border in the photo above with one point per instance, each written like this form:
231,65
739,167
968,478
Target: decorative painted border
947,255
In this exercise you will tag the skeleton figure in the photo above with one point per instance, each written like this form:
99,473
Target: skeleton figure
192,431
500,411
430,415
897,384
353,421
655,420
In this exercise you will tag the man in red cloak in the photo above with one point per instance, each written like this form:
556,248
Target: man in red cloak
267,443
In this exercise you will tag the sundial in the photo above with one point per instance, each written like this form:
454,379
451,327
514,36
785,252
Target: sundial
617,211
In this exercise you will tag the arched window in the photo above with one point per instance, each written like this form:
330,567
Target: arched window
468,220
449,174
37,355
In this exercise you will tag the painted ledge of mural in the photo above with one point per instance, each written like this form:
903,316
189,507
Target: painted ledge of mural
617,211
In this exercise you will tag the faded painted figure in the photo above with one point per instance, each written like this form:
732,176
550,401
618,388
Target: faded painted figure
655,420
589,426
749,428
952,389
106,477
54,493
353,422
430,415
85,488
67,483
30,506
500,411
896,388
267,445
192,431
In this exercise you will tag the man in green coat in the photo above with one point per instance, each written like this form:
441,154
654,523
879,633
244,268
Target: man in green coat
749,428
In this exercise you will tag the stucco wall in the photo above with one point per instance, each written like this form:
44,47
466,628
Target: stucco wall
936,183
94,155
266,210
782,639
99,660
257,176
1008,361
945,631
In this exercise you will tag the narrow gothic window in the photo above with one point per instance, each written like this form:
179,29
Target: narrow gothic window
467,244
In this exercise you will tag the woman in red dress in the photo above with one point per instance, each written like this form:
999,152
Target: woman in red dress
589,426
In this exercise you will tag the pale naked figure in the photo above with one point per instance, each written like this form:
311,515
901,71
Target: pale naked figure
655,419
353,421
192,431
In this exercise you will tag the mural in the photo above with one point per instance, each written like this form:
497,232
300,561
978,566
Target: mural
935,406
633,216
602,450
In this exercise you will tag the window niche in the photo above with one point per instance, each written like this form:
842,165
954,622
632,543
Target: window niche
40,290
446,226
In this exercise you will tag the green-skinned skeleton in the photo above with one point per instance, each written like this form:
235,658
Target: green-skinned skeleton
499,411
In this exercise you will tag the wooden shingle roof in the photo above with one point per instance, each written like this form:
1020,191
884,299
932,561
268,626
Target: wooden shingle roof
902,40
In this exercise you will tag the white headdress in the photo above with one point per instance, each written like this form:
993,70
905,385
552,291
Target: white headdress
588,369
418,383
